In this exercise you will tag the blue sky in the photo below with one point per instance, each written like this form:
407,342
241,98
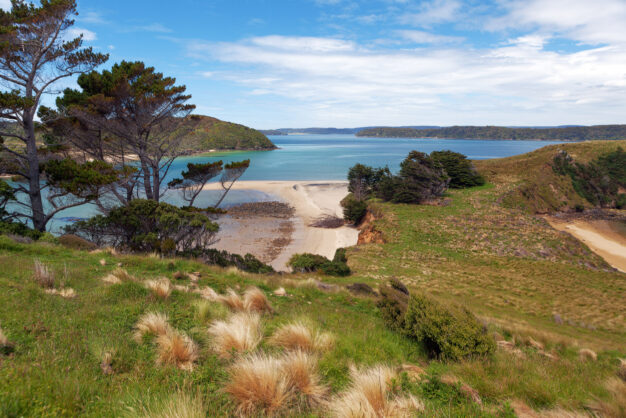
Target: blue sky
342,63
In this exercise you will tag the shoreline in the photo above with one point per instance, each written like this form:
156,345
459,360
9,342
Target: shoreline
310,200
599,236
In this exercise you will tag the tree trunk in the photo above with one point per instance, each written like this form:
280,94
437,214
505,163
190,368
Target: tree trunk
38,216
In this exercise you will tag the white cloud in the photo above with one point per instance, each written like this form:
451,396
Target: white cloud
91,17
516,83
421,37
432,12
75,32
153,27
593,22
5,4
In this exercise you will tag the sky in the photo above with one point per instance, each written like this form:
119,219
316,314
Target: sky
343,63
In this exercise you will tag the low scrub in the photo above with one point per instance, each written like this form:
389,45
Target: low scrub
247,263
353,210
76,243
447,331
393,304
239,334
311,263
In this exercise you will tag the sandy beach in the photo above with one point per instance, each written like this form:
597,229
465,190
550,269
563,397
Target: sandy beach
600,236
311,200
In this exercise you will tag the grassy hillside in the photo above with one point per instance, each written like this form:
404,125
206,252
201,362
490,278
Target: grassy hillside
528,181
210,133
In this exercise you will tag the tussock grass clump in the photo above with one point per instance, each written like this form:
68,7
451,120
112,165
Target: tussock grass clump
106,363
206,311
65,293
6,347
299,336
370,395
259,384
240,333
254,300
43,276
616,407
151,323
179,405
300,369
161,288
621,371
178,349
586,354
3,338
208,294
119,275
232,300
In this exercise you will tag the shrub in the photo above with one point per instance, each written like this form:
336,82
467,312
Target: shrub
19,229
247,263
306,263
449,332
340,256
353,210
311,263
461,171
76,243
393,305
148,226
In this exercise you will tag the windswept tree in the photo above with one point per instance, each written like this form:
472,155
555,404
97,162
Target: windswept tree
362,180
35,53
195,178
129,110
232,172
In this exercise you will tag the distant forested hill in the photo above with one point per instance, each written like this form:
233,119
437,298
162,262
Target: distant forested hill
574,133
210,133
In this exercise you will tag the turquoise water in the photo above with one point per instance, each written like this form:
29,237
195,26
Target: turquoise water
328,157
321,157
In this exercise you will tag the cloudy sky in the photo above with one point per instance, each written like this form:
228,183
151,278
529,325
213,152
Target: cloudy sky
343,63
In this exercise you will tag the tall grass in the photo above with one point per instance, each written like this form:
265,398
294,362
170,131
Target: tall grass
239,334
151,323
43,276
300,336
161,288
178,349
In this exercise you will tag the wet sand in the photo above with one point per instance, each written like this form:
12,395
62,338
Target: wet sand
271,238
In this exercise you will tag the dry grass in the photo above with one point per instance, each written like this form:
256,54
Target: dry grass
179,405
106,363
254,300
299,336
300,369
621,371
151,323
232,300
4,340
43,276
208,294
178,349
616,407
161,288
239,334
586,354
258,384
369,396
66,293
119,275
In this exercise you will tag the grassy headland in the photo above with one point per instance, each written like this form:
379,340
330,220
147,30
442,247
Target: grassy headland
543,294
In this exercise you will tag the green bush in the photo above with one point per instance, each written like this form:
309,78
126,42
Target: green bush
247,263
353,210
76,243
340,256
447,331
393,304
460,170
311,263
17,228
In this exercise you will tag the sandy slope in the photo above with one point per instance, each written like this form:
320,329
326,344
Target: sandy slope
311,200
600,237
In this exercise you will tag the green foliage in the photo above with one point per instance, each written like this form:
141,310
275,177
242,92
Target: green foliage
447,331
147,226
353,210
83,180
311,263
77,243
460,170
362,180
19,229
600,180
7,194
340,256
577,133
393,304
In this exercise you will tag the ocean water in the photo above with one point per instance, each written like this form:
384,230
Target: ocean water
319,157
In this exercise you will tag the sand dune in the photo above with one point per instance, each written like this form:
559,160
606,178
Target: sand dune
311,200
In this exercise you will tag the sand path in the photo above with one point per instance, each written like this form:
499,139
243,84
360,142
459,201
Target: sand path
311,200
599,236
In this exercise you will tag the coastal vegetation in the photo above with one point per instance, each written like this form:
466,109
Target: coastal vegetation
208,133
573,133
